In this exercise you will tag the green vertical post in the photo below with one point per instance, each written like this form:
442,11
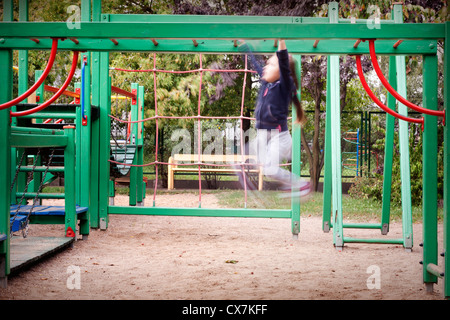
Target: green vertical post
333,10
5,163
388,151
37,176
23,54
361,145
85,147
327,180
133,140
296,157
335,117
86,10
95,141
446,245
430,151
140,147
85,134
366,140
105,134
78,168
336,168
16,154
369,148
5,151
85,131
94,210
112,192
69,180
40,90
405,174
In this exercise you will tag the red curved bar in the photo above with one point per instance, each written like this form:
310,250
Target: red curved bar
391,90
57,94
44,75
377,101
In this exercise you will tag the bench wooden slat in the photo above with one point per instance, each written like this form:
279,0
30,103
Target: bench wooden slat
211,158
231,158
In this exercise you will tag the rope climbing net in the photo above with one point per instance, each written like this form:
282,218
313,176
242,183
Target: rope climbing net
198,117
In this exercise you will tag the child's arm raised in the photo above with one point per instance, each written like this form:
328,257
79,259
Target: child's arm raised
283,61
245,48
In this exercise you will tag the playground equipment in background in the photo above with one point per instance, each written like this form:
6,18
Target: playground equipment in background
35,131
127,155
27,140
124,141
232,159
179,34
353,161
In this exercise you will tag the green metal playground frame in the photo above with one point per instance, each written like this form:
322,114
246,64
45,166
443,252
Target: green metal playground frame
97,34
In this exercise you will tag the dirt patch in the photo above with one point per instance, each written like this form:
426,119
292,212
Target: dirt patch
159,257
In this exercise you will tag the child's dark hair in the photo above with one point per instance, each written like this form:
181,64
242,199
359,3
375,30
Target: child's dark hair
301,117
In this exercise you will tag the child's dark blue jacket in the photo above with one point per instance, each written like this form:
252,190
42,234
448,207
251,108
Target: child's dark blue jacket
274,99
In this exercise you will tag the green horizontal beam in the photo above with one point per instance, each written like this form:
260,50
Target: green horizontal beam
31,130
19,140
375,240
53,111
362,225
41,169
200,212
210,30
31,195
383,47
51,115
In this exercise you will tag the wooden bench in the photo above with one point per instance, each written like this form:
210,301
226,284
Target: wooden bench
193,159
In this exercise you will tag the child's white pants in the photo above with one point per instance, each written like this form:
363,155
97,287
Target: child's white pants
274,147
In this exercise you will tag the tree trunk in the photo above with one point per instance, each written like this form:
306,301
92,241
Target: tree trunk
315,157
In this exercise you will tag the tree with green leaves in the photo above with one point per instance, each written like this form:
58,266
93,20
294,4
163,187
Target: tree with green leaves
221,92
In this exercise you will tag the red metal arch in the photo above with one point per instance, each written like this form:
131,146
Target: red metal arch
44,75
378,102
392,91
56,95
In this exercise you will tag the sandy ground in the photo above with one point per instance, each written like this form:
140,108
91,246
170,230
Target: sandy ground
167,258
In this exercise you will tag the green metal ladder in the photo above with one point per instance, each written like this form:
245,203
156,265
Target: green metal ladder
332,202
